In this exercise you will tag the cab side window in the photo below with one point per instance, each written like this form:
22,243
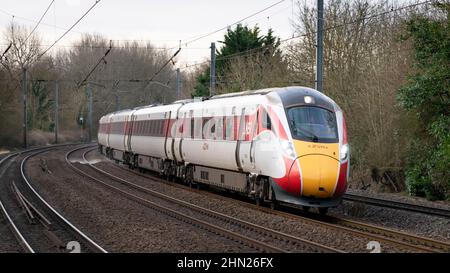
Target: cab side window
266,123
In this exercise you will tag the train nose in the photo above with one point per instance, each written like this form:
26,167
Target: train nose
319,175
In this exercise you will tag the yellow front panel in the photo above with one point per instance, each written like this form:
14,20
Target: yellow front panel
307,148
319,167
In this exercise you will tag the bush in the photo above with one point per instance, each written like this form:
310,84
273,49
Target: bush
427,94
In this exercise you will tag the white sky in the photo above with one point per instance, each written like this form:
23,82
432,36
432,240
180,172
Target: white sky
163,22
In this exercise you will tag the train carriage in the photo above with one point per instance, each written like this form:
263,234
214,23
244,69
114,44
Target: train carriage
274,145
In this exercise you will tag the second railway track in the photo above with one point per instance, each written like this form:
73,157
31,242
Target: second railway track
36,225
397,205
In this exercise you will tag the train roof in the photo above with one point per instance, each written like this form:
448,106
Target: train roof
245,93
290,96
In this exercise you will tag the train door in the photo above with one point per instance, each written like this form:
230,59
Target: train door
129,124
125,134
243,145
108,130
168,143
245,151
178,137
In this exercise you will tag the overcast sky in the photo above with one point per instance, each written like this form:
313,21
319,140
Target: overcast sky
163,22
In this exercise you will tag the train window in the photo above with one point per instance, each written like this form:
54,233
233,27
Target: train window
158,128
198,128
313,124
180,130
206,128
242,124
266,123
192,127
219,128
186,126
229,128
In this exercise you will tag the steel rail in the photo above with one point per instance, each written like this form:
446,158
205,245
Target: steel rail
409,241
16,232
397,205
185,218
223,217
67,224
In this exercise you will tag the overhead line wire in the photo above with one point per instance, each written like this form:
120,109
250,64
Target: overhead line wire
235,23
39,22
244,53
67,31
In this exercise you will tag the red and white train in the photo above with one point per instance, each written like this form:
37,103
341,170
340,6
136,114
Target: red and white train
274,145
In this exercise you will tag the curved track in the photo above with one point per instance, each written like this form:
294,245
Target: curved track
404,240
261,238
37,226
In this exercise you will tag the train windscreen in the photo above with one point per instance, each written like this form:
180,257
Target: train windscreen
313,124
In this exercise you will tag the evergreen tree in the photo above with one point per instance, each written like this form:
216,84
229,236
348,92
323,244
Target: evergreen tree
243,40
427,93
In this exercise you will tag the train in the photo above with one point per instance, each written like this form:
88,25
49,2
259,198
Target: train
285,145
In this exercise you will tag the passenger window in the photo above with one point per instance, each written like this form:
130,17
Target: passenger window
229,135
266,123
242,124
206,131
219,128
198,128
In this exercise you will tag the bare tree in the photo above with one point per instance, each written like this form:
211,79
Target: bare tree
365,62
254,71
24,48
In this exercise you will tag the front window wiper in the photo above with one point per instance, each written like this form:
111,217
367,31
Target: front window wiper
310,134
302,131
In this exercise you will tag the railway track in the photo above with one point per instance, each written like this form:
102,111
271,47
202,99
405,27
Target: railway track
414,240
261,238
397,205
405,240
36,225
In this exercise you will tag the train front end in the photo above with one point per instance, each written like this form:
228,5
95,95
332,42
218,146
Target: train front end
317,152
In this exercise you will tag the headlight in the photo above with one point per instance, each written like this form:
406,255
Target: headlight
344,152
288,148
